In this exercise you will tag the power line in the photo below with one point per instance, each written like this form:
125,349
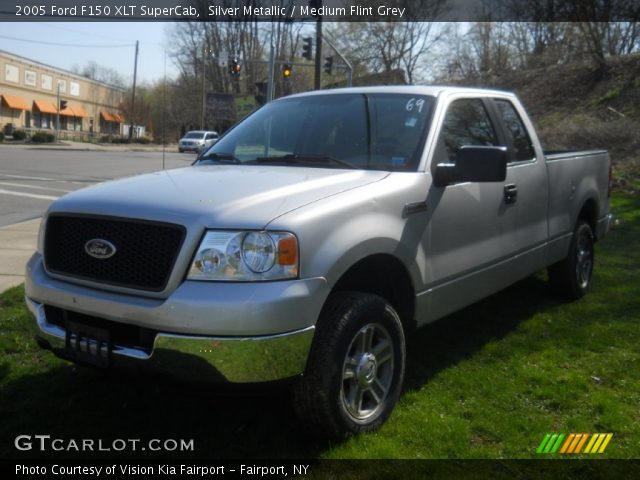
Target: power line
79,32
128,45
92,34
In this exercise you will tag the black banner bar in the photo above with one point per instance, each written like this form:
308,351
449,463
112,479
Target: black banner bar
330,10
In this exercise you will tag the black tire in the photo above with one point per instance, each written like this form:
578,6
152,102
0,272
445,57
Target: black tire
571,277
346,388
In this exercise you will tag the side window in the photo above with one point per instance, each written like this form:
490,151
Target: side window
522,147
466,123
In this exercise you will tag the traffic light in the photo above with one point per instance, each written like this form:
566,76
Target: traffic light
307,48
287,71
328,65
63,104
234,67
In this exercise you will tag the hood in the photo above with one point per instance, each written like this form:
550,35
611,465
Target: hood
216,196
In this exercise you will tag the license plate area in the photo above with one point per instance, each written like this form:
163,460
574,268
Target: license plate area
88,344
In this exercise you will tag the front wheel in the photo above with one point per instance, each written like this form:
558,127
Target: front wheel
572,276
356,366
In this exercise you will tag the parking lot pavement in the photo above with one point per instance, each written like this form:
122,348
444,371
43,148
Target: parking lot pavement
17,244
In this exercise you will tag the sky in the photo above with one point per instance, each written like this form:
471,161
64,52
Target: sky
101,42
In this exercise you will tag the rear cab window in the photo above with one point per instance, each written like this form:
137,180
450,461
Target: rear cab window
521,145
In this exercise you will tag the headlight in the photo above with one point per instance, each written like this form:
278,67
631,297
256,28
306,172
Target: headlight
238,256
41,230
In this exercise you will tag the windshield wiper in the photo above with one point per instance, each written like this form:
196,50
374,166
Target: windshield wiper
300,158
219,157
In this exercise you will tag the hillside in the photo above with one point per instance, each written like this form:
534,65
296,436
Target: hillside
575,107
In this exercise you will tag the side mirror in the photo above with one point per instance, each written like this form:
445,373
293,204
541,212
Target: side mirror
473,164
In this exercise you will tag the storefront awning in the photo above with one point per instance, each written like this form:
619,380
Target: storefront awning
14,102
74,111
79,111
110,117
68,112
44,107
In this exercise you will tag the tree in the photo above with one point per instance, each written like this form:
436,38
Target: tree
99,73
385,47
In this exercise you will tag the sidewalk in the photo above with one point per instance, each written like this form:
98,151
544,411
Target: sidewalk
100,147
17,244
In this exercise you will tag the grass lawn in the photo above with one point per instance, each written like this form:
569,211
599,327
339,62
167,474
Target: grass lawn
487,382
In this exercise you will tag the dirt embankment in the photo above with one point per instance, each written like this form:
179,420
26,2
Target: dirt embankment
575,106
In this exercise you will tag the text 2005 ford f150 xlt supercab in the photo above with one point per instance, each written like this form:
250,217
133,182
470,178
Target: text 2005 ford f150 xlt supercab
311,238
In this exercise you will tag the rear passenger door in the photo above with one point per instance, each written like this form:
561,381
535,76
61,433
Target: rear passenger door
528,181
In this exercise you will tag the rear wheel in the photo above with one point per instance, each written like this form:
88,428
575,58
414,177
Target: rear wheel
572,276
356,366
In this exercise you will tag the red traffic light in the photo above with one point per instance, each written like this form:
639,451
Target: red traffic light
235,67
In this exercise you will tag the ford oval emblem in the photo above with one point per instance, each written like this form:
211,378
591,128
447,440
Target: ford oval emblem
100,249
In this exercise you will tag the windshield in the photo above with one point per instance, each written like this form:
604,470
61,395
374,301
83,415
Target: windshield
372,131
194,135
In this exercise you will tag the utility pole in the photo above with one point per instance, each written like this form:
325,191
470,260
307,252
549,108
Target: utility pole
271,68
204,94
58,114
318,76
133,93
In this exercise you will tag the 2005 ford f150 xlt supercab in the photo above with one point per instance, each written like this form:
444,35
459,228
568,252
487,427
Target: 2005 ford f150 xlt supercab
311,238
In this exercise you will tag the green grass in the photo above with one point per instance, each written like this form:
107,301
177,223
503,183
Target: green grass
487,382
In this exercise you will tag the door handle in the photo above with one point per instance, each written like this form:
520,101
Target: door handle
511,193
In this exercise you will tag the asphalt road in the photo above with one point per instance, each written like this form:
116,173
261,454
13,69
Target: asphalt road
31,178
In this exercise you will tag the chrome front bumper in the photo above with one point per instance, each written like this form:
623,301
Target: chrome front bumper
195,358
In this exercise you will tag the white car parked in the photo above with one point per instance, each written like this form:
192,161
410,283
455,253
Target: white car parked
197,140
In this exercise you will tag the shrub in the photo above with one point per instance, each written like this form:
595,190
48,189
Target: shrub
619,136
19,135
43,137
143,140
1,137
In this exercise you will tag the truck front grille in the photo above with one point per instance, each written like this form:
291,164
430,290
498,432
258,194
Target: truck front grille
145,252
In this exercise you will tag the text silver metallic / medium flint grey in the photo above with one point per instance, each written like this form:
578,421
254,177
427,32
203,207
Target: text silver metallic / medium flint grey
447,243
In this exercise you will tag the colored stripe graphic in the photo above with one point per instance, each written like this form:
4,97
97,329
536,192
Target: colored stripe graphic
544,441
606,442
581,443
575,443
591,442
567,443
558,443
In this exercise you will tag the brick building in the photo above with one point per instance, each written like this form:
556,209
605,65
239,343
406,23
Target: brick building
29,98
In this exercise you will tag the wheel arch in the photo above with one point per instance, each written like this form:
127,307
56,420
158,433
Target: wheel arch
384,275
589,213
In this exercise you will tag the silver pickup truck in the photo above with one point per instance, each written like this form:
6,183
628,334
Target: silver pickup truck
312,238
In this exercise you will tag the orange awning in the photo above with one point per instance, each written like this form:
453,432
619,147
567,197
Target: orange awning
110,117
68,112
80,112
74,111
16,103
44,107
